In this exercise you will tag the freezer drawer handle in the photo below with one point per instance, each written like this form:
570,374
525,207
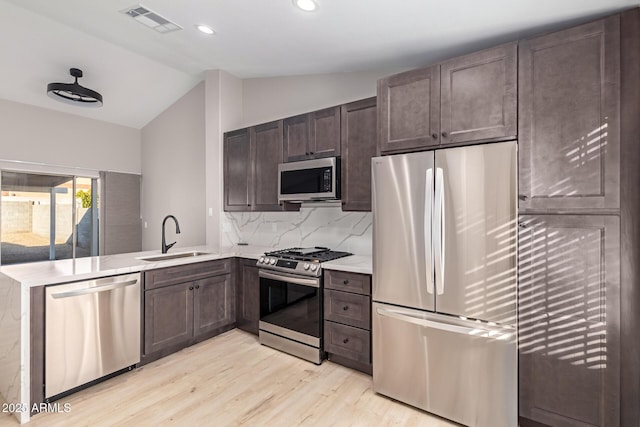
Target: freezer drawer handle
94,290
406,317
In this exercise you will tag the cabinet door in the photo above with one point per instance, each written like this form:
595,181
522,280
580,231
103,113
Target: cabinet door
215,304
324,139
267,142
569,316
409,110
296,137
168,317
248,306
237,171
479,96
359,136
569,118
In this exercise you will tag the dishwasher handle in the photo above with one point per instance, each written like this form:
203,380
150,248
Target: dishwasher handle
94,290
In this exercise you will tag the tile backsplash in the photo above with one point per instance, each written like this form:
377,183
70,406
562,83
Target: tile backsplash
312,226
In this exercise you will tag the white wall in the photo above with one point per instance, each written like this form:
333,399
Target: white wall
37,135
223,112
267,99
173,172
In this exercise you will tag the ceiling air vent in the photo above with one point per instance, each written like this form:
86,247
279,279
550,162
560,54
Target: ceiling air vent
151,19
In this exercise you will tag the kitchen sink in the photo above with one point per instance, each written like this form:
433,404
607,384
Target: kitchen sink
178,255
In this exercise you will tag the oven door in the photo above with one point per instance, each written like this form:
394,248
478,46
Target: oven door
291,307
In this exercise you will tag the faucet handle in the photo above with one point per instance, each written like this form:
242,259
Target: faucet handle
170,245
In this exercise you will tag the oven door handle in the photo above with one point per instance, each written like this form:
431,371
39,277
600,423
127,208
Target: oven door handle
289,279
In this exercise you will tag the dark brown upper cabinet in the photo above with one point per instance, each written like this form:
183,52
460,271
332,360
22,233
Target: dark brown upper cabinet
266,140
312,135
569,320
479,96
569,118
409,110
237,171
359,138
251,158
472,98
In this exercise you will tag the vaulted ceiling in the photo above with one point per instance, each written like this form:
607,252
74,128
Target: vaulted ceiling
140,72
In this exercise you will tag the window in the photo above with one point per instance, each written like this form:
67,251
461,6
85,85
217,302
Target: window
47,216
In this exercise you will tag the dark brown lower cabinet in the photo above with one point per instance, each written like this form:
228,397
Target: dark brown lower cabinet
168,316
214,304
248,291
569,319
347,319
186,304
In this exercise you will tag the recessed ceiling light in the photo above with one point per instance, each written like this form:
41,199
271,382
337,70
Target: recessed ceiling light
306,5
205,29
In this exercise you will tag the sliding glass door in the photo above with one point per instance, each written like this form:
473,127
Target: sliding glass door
47,217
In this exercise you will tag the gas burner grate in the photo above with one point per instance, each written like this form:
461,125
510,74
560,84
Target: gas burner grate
313,254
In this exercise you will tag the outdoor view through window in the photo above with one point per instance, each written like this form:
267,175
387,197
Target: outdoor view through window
47,217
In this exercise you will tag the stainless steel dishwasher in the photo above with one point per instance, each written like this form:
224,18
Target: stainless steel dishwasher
92,329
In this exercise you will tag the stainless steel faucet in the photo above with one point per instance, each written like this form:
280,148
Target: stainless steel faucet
166,247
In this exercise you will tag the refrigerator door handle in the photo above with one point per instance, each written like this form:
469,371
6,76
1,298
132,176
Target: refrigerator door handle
438,239
428,215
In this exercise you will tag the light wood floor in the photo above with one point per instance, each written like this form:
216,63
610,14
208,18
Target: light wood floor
232,380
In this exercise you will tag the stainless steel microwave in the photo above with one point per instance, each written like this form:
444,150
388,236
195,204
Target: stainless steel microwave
309,180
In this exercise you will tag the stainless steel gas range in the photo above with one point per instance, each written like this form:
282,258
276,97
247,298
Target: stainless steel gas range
291,309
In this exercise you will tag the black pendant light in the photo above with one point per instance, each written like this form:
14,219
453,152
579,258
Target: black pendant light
73,93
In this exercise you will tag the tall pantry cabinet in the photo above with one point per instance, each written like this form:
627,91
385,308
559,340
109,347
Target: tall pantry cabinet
579,224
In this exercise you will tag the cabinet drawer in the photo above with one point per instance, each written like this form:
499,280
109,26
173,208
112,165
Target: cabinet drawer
347,341
350,309
349,282
185,273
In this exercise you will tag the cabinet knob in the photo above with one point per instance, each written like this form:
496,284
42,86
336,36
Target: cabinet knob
522,197
311,153
434,135
197,286
445,134
345,282
345,308
346,340
190,288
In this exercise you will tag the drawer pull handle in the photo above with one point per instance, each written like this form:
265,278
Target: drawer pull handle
345,308
346,340
345,282
190,288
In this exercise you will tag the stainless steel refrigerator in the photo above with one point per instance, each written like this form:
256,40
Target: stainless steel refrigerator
444,282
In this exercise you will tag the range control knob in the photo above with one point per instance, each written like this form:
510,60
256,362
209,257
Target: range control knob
272,261
261,259
314,267
306,265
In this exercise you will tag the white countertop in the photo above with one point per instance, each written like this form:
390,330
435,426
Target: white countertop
61,271
68,270
354,264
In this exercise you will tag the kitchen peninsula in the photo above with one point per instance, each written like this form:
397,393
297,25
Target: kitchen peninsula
18,282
